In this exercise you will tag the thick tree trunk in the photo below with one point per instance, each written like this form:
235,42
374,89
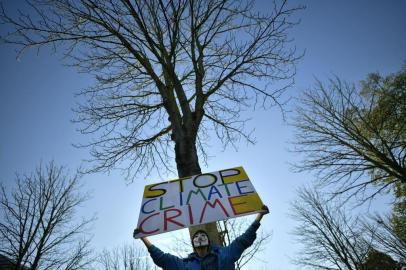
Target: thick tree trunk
187,162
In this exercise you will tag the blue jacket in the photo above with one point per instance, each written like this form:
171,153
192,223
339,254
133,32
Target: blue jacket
226,256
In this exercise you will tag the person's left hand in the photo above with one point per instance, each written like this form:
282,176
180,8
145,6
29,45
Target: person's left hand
264,210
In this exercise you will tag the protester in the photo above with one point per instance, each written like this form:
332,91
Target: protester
206,256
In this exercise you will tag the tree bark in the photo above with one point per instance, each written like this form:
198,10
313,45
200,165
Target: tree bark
187,162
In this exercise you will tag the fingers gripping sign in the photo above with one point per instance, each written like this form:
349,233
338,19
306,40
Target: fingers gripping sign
264,210
145,240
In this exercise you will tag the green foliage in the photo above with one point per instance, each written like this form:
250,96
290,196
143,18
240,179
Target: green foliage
389,96
386,126
354,138
379,261
399,212
388,116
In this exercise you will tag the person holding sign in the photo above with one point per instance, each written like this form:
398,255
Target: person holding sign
205,255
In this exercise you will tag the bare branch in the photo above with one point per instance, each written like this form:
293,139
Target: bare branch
353,141
38,229
163,68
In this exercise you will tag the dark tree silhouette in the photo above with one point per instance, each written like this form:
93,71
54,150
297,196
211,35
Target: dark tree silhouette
169,73
355,139
386,237
126,257
330,238
333,239
37,225
379,261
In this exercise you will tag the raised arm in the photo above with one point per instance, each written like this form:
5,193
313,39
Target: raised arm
164,260
146,242
265,210
236,248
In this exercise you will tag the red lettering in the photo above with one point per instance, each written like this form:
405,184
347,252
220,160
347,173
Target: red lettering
214,190
142,223
168,219
190,214
212,205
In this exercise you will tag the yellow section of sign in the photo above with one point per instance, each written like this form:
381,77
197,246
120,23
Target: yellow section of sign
151,192
246,204
238,175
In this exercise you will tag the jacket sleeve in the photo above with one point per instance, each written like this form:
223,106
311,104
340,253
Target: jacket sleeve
236,248
165,260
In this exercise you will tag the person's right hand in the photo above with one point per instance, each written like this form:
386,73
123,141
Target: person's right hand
265,210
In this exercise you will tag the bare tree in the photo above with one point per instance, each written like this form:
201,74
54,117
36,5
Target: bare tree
381,229
126,257
330,238
355,139
169,73
38,227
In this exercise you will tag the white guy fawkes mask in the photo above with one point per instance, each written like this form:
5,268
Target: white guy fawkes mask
200,240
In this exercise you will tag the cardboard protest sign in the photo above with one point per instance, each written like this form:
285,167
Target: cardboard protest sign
196,200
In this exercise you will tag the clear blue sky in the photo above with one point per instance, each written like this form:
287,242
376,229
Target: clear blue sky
345,38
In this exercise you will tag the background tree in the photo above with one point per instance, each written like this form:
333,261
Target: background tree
330,238
398,219
169,73
385,237
379,261
126,257
355,139
38,227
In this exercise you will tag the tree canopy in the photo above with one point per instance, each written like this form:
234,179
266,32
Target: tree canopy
39,227
355,139
332,237
167,72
